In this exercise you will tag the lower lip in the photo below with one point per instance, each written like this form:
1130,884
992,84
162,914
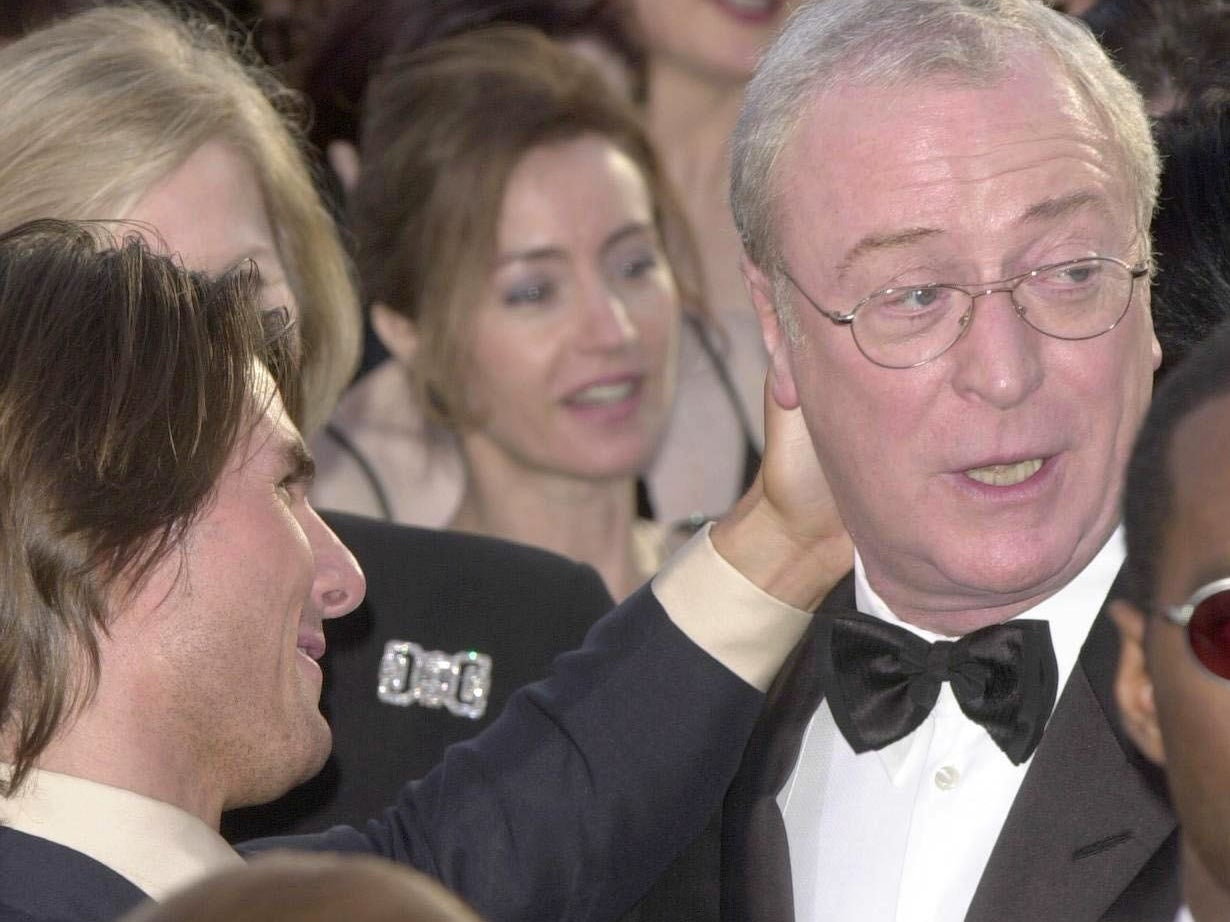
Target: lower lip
756,17
609,413
1027,490
310,664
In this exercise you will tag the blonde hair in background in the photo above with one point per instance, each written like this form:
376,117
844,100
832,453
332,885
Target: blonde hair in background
100,107
304,887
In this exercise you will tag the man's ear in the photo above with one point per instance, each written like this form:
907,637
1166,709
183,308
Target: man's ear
1133,685
396,331
776,340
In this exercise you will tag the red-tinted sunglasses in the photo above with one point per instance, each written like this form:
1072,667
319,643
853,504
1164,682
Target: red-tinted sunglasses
1206,616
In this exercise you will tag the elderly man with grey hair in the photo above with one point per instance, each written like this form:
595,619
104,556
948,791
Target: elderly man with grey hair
945,208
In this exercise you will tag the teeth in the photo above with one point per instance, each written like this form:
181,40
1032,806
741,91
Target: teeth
604,393
751,6
1005,475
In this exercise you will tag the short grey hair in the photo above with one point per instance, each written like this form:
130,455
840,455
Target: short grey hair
829,44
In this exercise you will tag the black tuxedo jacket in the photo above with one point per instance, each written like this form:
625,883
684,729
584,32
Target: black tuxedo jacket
567,807
44,882
1089,838
444,591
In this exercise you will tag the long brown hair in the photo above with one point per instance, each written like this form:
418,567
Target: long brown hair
445,128
124,384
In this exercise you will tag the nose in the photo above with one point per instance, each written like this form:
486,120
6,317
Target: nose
339,585
998,362
607,321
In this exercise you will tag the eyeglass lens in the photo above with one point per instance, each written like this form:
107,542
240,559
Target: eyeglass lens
902,327
1208,632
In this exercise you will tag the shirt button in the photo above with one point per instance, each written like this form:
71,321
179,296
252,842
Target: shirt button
947,778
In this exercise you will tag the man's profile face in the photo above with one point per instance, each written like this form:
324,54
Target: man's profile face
943,183
227,633
1176,711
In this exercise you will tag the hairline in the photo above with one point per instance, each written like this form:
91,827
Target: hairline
772,125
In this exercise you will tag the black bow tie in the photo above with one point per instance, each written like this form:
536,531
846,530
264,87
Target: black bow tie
884,681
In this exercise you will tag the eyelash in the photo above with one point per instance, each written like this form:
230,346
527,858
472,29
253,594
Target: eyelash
636,268
293,486
537,293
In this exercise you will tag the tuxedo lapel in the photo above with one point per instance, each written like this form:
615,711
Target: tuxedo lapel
1089,816
1090,819
40,879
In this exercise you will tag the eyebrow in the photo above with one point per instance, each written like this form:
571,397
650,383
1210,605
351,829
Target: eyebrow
628,230
874,242
299,460
1060,206
1045,210
553,252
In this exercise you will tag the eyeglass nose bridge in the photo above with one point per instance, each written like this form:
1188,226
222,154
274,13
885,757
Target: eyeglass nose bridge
966,320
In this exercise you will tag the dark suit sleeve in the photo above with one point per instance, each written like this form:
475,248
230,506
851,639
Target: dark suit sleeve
585,788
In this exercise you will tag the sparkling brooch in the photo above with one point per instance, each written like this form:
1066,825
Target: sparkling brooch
410,675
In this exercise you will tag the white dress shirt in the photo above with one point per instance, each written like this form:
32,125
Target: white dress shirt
154,845
903,834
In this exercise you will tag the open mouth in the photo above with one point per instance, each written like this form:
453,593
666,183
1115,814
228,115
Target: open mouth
313,647
1005,475
606,394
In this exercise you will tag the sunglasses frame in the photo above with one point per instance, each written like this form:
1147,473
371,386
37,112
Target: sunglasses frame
1182,615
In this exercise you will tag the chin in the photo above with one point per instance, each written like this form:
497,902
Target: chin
1002,570
613,462
304,753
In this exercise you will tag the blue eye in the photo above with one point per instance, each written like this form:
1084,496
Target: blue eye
912,300
635,268
534,293
1080,274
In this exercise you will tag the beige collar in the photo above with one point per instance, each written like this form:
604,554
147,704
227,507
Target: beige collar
156,846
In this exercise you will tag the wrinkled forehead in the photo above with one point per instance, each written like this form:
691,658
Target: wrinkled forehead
881,158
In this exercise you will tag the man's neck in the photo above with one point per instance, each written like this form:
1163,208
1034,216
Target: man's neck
97,750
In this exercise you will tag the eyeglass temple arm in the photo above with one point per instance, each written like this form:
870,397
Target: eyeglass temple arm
841,320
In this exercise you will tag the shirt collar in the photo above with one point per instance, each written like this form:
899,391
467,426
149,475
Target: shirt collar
155,845
1070,612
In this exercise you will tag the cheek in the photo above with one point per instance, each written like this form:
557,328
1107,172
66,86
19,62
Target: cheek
864,426
1113,385
1194,713
507,371
657,326
864,417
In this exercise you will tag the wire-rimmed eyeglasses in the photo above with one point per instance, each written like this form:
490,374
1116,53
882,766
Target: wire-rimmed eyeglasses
908,326
1205,617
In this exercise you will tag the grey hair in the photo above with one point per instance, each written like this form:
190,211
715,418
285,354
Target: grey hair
831,44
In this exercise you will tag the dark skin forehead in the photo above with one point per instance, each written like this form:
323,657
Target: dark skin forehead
1197,543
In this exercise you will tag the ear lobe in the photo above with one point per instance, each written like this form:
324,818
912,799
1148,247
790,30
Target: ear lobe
396,331
1133,684
776,340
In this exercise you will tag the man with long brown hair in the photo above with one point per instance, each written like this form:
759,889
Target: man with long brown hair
165,584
